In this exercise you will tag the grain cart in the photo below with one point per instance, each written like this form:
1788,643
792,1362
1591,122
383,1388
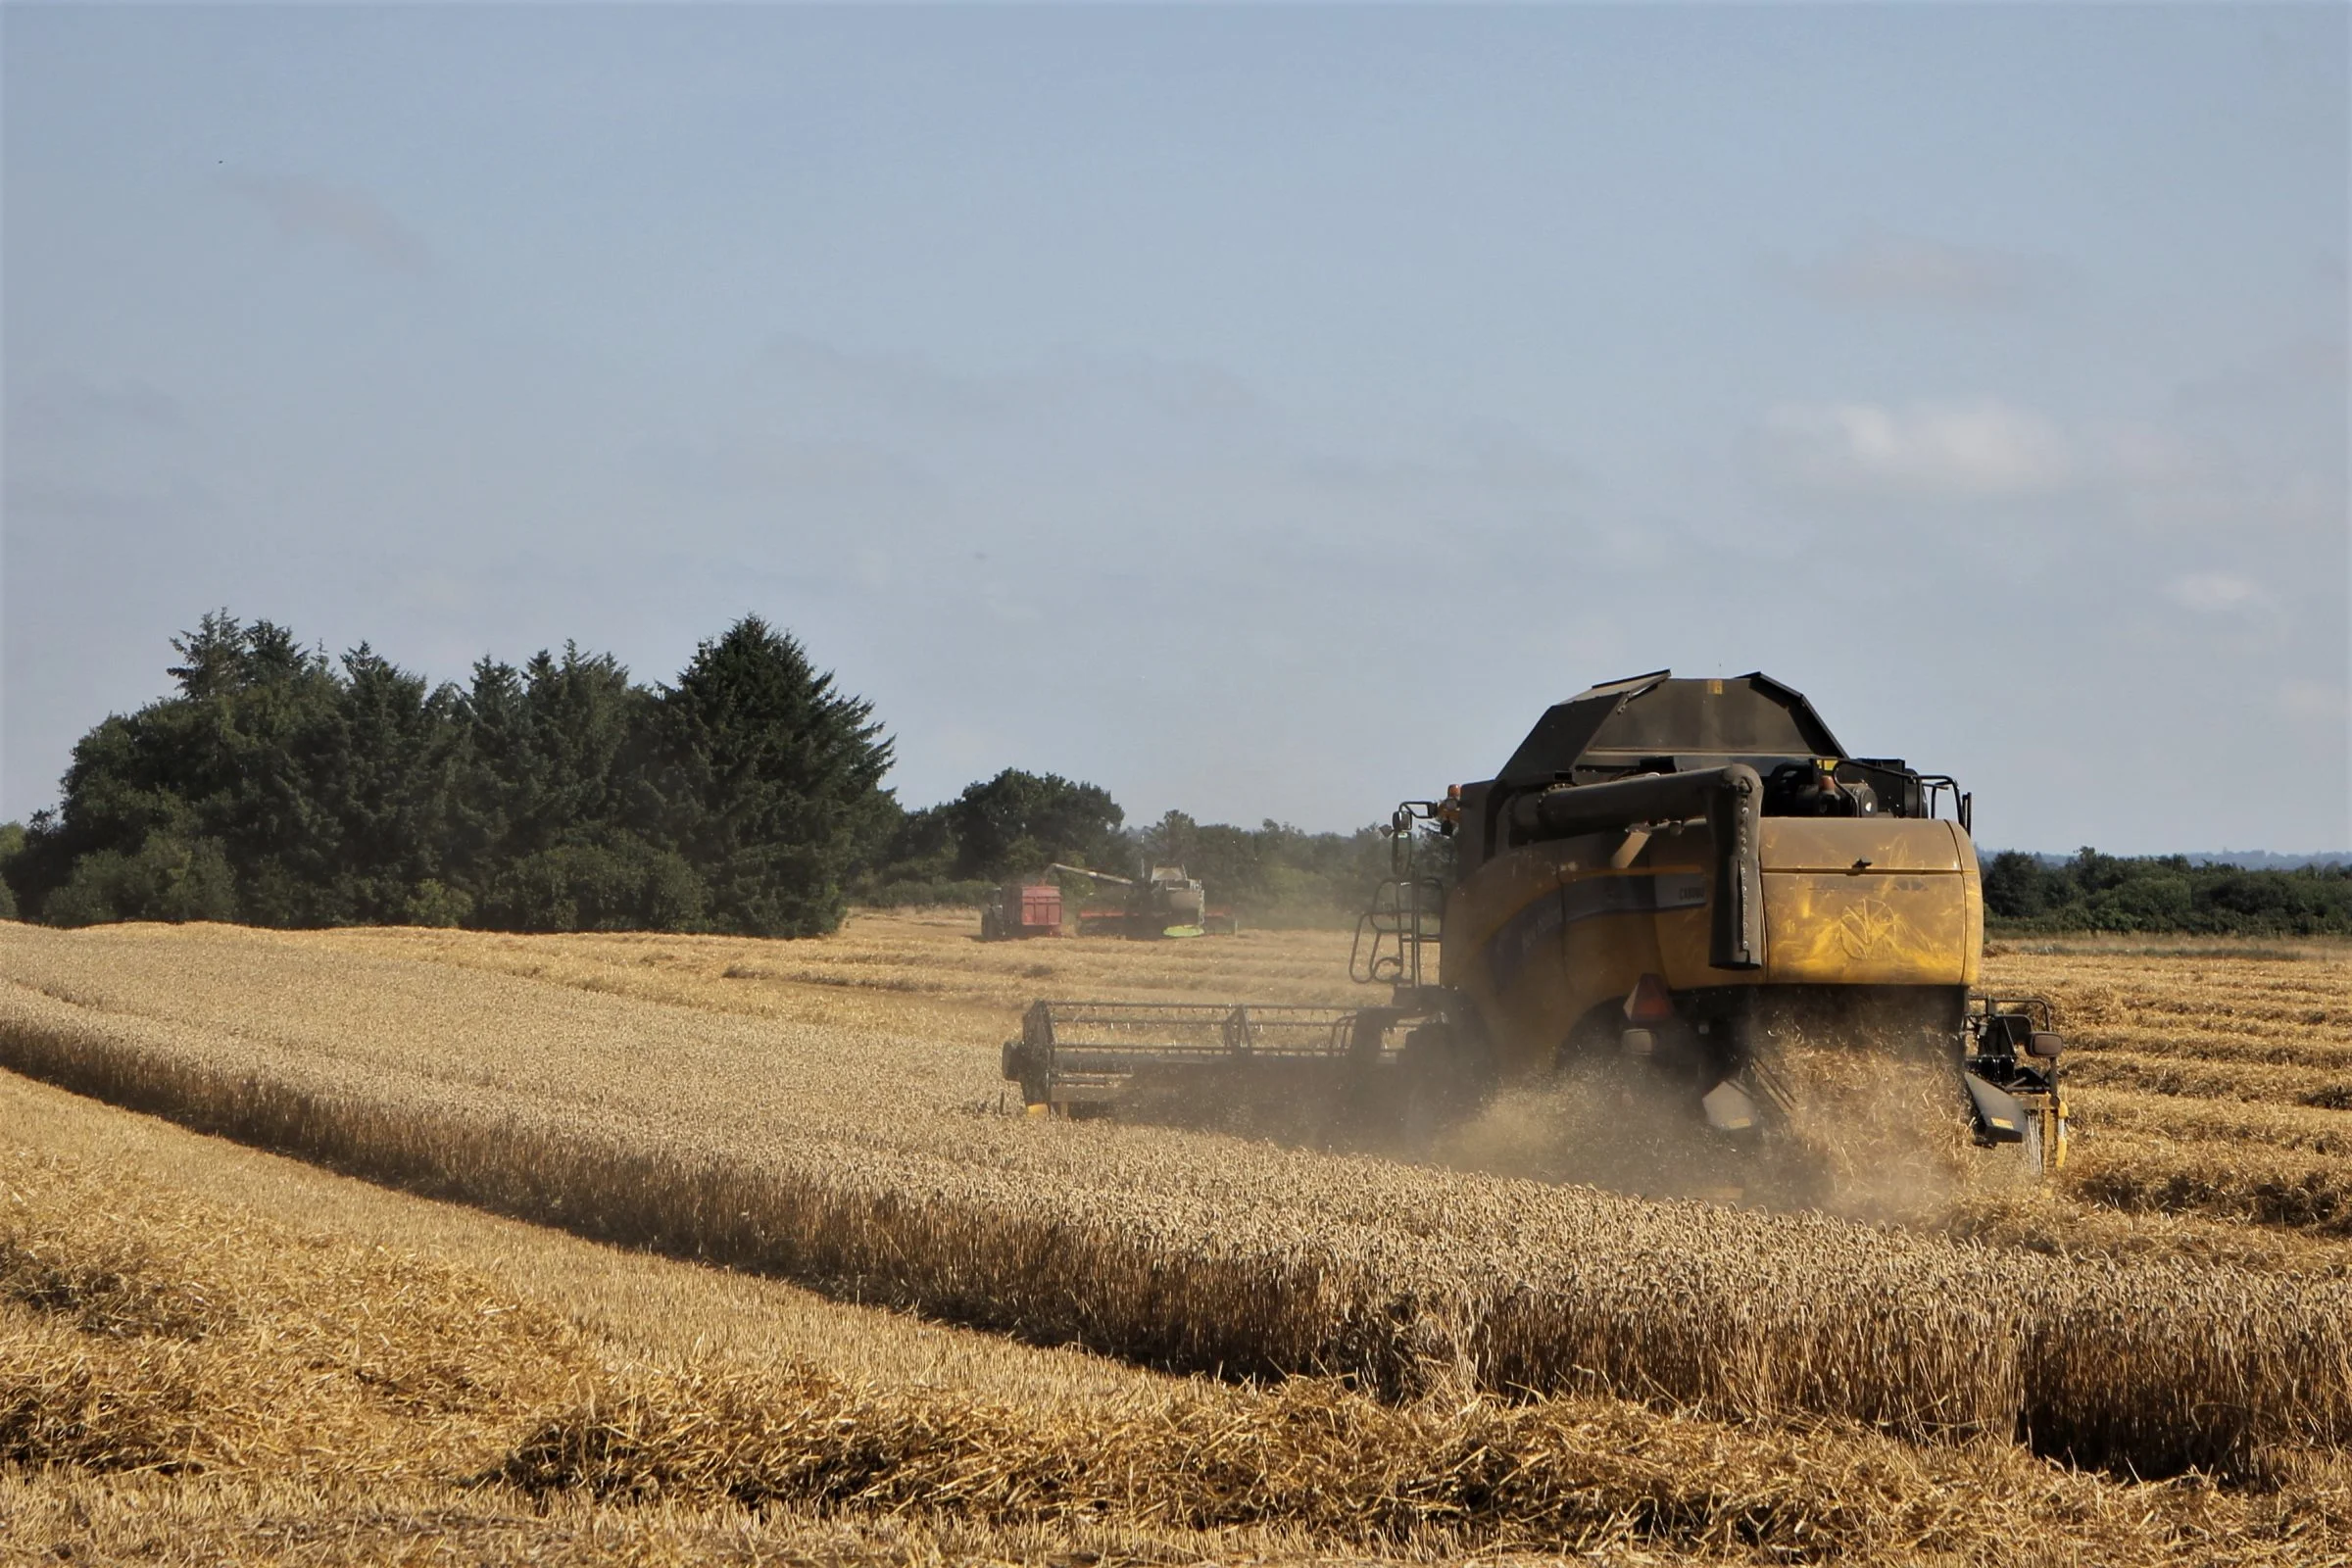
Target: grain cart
1023,909
1686,880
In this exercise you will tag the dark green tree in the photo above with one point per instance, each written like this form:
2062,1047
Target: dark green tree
921,847
154,802
169,877
273,788
547,752
2016,887
768,782
12,845
2095,892
544,837
279,788
1015,823
385,777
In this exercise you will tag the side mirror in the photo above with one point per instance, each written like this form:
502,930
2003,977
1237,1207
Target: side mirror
2045,1044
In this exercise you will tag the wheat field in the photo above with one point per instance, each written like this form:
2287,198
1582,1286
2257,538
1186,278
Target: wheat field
1366,1355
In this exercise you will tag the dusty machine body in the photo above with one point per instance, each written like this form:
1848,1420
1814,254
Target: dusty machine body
1687,879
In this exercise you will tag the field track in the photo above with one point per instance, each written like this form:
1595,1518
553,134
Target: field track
833,1118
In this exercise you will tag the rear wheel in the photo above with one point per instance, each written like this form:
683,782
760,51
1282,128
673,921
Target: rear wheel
1447,1070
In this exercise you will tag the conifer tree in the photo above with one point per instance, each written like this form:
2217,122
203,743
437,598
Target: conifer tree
768,782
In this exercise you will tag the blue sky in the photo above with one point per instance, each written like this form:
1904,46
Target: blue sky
1258,411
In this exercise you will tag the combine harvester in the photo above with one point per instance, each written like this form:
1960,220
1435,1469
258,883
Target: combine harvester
1162,902
1684,882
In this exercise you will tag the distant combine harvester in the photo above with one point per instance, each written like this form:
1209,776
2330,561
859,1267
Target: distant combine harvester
1160,901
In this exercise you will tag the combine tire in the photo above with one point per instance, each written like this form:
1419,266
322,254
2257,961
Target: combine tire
1447,1074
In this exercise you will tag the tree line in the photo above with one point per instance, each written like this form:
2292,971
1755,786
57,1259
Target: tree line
276,786
2170,894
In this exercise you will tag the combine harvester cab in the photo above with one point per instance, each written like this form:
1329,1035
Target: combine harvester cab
1687,878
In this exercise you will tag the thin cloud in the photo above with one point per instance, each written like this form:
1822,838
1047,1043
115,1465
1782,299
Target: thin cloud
1171,446
2315,701
303,207
65,406
2214,593
2286,374
1985,450
1905,270
1165,390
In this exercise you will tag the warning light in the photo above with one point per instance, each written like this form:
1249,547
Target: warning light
1648,1001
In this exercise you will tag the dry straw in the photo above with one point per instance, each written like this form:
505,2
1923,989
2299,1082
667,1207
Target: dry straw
819,1157
141,1331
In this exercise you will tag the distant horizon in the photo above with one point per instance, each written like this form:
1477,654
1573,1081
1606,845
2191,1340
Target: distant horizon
1136,820
2290,861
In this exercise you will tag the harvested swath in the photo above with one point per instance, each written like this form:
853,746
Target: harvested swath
2312,968
66,1400
2307,1048
1562,1475
140,1332
101,1279
2263,1127
2264,1186
263,1397
2248,1008
2159,998
58,1517
1184,1250
2045,1219
2192,1078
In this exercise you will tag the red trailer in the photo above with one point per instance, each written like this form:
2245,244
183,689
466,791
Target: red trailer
1022,910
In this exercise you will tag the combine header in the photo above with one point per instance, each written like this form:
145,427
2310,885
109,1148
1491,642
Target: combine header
1081,1055
1689,883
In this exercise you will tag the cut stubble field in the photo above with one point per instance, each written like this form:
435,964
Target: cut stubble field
1426,1355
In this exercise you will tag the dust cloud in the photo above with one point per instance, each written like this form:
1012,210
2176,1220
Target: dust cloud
1865,1127
1871,1130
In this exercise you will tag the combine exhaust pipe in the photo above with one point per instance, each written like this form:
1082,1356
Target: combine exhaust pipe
1730,799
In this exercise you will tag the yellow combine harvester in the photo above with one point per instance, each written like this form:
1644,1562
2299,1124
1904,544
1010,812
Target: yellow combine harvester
1685,880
